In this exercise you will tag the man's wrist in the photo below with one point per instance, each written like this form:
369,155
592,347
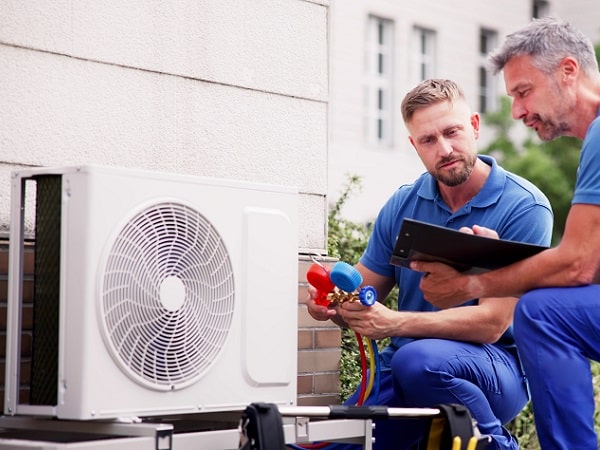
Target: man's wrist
475,286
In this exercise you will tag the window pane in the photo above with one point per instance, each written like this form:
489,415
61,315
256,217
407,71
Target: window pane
487,82
482,90
378,114
540,9
424,58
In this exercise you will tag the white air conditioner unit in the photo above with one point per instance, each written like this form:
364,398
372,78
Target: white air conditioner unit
154,294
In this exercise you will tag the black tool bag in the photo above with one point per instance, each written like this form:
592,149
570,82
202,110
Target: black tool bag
261,428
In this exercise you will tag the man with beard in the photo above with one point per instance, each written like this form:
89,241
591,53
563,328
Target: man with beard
551,71
462,355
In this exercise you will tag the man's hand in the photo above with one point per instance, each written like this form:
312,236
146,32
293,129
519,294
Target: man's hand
374,322
318,312
480,231
442,285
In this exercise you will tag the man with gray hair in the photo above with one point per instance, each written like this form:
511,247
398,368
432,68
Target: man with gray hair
551,72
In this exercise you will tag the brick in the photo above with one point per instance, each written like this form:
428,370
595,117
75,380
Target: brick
305,320
319,400
27,316
3,257
326,383
28,259
3,289
319,360
302,293
306,339
328,338
24,395
25,373
303,266
26,344
305,384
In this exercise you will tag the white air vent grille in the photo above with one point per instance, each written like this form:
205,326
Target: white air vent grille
167,297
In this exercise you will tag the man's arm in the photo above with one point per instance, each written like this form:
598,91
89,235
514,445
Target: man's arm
575,261
482,323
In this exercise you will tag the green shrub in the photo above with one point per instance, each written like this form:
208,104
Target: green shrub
347,241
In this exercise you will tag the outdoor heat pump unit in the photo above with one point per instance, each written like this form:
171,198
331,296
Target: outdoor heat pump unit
153,294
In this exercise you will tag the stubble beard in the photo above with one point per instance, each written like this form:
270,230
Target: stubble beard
458,175
550,128
549,131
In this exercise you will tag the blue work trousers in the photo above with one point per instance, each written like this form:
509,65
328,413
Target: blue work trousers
487,379
558,332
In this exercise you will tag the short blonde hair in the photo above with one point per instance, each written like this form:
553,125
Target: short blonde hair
427,93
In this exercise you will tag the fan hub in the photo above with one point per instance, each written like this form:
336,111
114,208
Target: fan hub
172,293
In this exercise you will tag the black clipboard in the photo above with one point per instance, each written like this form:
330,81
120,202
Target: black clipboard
421,241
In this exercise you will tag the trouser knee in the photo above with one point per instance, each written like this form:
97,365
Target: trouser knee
411,366
527,313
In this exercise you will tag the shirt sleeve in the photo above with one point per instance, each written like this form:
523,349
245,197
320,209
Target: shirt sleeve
587,186
532,224
376,256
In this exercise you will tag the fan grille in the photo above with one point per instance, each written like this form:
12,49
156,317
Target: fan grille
167,296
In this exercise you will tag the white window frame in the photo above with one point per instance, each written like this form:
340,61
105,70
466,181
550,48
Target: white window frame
425,54
378,82
488,85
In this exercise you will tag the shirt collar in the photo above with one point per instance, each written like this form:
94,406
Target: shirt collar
488,195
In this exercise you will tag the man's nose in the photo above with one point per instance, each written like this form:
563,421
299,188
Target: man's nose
445,147
518,110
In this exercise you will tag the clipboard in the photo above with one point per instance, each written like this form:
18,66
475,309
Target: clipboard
421,241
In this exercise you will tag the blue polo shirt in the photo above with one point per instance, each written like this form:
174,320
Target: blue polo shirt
587,186
507,203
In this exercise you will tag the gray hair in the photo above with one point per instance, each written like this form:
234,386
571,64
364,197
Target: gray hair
548,41
427,93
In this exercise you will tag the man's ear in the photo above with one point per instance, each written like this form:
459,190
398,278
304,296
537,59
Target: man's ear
412,142
569,68
475,122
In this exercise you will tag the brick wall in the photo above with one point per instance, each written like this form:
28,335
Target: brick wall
318,342
27,318
319,352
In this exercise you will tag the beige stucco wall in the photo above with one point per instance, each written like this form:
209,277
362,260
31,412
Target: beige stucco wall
223,88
